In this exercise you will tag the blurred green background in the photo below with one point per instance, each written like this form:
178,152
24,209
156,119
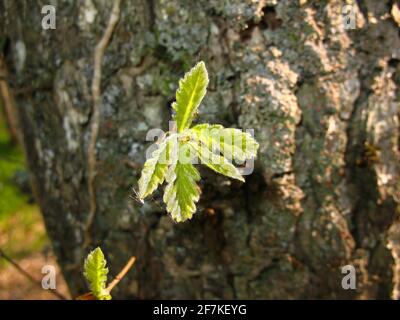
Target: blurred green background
21,227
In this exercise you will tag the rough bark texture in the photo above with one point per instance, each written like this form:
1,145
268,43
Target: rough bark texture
324,103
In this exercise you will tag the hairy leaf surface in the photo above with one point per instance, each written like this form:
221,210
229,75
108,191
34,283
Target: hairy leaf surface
155,168
95,271
181,192
192,89
216,162
234,144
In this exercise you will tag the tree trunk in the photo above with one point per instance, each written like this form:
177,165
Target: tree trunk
7,104
323,101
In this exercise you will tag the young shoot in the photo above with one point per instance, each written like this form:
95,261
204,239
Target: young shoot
211,144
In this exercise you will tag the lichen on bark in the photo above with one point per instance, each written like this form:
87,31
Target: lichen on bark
324,104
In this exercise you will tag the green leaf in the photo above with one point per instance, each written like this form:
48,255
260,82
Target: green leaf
192,89
155,168
234,144
95,272
217,147
216,162
182,192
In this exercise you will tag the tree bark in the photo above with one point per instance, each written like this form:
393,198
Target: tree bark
323,102
8,105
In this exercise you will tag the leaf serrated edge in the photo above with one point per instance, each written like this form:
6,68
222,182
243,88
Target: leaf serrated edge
184,121
95,272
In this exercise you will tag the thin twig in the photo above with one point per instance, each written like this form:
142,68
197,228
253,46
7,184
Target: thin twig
95,120
28,275
117,279
121,274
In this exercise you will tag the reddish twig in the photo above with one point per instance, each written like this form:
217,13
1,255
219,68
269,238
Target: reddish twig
117,279
121,274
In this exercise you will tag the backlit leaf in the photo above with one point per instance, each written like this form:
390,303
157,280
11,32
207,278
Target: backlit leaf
155,168
192,89
95,271
216,162
234,144
181,192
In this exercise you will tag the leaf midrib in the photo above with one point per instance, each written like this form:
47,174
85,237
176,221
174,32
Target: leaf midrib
188,109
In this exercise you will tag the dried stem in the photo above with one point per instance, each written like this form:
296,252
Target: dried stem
95,120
